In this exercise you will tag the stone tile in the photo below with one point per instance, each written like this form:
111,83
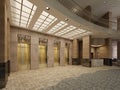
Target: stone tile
66,78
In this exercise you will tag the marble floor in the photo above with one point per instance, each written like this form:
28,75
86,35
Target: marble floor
66,78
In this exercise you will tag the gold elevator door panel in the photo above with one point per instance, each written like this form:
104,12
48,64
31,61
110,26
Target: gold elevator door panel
43,55
56,55
66,55
23,56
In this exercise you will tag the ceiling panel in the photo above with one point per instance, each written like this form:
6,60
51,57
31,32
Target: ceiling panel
33,14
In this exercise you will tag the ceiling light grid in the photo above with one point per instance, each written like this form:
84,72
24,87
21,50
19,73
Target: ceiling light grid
57,27
44,21
69,28
22,12
74,32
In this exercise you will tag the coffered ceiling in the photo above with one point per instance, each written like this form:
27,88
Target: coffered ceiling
40,16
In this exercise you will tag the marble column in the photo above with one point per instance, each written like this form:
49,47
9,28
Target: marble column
13,50
3,44
86,56
62,53
50,52
86,47
109,47
118,24
118,49
34,52
75,52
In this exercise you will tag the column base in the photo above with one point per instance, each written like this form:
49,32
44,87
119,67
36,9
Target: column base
86,62
75,61
108,61
3,74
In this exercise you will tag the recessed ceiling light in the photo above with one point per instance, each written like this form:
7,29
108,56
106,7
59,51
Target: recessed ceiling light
47,8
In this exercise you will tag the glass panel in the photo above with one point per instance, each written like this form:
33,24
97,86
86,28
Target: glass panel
15,19
23,24
25,9
35,28
15,4
44,20
40,20
24,18
32,13
15,10
57,27
27,3
25,14
70,28
20,1
51,17
45,13
34,8
15,22
22,21
42,17
49,20
15,16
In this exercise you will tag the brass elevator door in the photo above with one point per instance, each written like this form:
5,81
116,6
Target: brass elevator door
43,55
56,55
66,55
23,56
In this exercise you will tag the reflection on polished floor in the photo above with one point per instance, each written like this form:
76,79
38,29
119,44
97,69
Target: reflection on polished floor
66,78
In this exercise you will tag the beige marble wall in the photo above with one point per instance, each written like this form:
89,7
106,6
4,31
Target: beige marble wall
86,47
105,51
13,50
34,51
34,48
3,32
75,48
50,52
118,24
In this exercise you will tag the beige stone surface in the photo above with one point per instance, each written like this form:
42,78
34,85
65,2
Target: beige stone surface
62,53
86,47
75,48
34,48
34,52
71,77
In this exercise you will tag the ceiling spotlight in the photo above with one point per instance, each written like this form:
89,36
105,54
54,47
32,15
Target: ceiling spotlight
66,19
47,8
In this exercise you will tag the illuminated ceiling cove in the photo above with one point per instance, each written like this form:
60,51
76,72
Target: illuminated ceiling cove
23,12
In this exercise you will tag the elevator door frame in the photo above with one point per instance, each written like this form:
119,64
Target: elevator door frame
28,64
40,64
67,61
58,48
